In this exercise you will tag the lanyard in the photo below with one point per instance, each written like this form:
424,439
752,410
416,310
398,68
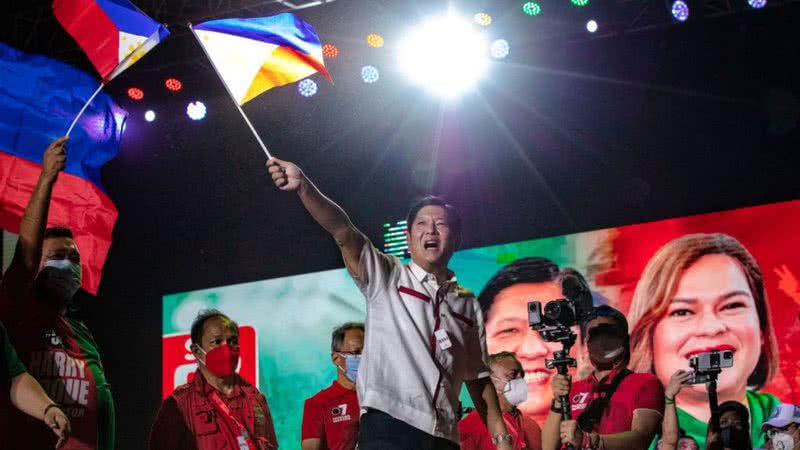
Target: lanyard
242,439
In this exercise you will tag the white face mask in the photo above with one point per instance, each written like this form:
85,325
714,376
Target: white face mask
782,441
516,391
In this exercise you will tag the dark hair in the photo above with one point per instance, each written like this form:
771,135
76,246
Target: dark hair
202,318
58,232
605,311
337,337
431,200
737,408
523,270
504,355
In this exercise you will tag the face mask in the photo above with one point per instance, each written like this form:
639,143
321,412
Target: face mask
516,391
351,363
60,278
733,437
221,360
782,441
606,344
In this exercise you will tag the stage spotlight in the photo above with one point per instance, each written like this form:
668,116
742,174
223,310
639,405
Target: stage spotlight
330,51
680,10
591,26
150,115
531,8
483,19
370,74
196,110
580,2
757,4
499,49
307,87
445,54
375,40
173,84
135,93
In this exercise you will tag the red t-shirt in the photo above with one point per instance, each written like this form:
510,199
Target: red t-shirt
332,416
524,430
636,391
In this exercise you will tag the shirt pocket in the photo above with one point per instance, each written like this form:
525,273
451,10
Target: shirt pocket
205,423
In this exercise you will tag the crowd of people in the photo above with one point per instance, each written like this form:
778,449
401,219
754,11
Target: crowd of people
400,373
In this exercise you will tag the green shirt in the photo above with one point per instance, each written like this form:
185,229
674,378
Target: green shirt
760,404
10,364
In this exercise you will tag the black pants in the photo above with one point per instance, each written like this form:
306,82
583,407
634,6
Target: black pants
380,431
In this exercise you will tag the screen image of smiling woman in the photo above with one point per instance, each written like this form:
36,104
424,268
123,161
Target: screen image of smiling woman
698,293
504,302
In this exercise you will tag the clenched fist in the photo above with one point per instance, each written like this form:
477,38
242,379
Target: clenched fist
286,175
55,159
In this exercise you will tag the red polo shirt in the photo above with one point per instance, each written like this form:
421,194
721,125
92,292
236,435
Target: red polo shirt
332,416
637,391
474,435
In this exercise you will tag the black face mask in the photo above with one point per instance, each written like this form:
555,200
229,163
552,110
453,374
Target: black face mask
607,345
735,438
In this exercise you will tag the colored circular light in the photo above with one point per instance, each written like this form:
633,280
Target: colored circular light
482,19
580,2
307,87
150,115
135,93
196,110
680,10
330,51
532,8
370,74
757,4
499,49
173,84
591,26
375,40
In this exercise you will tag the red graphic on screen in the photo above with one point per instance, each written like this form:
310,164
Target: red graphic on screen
178,364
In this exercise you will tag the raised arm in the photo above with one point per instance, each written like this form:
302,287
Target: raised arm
485,399
288,177
34,220
670,429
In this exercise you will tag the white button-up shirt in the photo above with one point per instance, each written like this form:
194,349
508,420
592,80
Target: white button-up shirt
405,370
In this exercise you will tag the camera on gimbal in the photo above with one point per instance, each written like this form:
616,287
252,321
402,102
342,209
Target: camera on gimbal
707,366
554,322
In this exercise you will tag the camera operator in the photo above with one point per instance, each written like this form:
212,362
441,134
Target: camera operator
613,408
734,428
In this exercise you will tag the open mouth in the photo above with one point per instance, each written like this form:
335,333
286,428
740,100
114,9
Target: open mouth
697,351
537,376
431,244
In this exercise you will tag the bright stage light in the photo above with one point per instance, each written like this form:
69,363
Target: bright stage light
580,2
370,74
307,87
445,54
196,110
499,49
150,115
591,26
680,10
757,4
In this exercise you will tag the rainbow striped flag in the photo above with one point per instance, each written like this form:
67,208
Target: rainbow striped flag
258,54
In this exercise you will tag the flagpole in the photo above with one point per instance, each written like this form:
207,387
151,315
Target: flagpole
235,102
85,105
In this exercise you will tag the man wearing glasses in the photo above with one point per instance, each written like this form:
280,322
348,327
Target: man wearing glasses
330,417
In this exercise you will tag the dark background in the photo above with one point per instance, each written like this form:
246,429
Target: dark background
572,132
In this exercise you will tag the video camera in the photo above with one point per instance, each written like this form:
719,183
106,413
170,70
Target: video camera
555,320
707,366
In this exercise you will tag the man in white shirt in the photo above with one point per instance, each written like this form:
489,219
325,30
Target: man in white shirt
425,335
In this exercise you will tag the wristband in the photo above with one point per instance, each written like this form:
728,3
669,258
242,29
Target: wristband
553,407
669,400
52,405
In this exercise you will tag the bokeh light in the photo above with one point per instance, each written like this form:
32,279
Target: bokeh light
532,8
173,84
307,87
680,10
196,110
499,49
580,2
591,26
375,40
330,51
370,74
757,4
135,93
150,115
483,19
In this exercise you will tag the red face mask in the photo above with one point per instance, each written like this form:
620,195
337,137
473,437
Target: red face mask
222,360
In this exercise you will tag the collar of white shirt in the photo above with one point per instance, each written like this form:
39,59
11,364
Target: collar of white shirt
422,276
